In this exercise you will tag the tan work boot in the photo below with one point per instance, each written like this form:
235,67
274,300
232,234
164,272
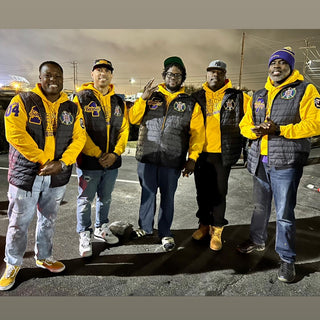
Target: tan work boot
215,242
201,233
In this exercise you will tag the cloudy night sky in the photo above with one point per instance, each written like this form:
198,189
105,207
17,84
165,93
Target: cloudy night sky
139,53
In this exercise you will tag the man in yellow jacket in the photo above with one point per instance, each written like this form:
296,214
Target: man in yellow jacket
280,118
223,109
171,126
46,133
107,127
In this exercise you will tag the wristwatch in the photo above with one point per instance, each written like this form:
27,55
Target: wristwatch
63,165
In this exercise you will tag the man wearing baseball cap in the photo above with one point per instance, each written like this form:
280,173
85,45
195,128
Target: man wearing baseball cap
107,127
171,126
222,108
279,120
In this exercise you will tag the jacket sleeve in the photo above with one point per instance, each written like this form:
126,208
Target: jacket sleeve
16,134
123,134
136,112
310,117
197,133
90,148
246,124
78,140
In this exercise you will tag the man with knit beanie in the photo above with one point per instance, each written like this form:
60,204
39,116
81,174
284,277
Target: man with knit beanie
279,119
107,126
222,108
171,136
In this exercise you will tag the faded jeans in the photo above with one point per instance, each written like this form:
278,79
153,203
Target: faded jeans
23,205
90,183
282,185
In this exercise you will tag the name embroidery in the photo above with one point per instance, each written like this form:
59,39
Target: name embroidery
93,109
259,105
34,115
153,104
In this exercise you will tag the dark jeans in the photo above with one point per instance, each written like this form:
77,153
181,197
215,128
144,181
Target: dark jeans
151,178
282,185
211,179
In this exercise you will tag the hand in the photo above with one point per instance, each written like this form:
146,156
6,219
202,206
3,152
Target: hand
107,159
51,168
265,128
188,168
148,90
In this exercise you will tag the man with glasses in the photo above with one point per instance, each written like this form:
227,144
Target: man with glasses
223,109
171,126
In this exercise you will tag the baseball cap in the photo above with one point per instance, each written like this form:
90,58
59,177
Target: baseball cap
217,64
102,63
175,60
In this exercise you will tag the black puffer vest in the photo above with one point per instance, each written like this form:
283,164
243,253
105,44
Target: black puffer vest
164,134
282,152
22,172
231,113
96,126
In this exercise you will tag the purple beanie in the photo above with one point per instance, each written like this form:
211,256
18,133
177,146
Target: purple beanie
286,54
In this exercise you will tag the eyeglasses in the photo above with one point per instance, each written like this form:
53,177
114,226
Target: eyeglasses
174,75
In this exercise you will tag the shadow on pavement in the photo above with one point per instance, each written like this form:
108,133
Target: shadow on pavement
190,257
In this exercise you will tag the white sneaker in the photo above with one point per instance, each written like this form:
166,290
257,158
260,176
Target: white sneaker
104,234
85,246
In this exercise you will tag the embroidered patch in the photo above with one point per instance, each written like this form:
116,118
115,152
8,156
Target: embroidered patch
66,118
259,105
179,106
317,102
93,108
288,93
34,115
13,108
230,105
117,111
154,104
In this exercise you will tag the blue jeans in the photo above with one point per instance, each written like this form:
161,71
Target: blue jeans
22,207
151,178
282,185
90,183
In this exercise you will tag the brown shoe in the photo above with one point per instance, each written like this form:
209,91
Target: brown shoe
201,233
215,242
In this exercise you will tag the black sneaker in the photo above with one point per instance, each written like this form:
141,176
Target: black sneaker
249,246
286,272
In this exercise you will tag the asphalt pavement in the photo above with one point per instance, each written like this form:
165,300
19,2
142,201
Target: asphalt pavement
141,268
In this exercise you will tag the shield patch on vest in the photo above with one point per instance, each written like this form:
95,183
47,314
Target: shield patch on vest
230,105
288,93
259,105
34,115
117,111
179,106
317,103
66,118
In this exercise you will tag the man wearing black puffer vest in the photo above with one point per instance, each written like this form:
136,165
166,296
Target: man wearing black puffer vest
223,109
107,127
171,126
279,119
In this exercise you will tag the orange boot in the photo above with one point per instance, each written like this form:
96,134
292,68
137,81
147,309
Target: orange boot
201,232
215,242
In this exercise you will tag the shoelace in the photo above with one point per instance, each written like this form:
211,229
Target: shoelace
11,271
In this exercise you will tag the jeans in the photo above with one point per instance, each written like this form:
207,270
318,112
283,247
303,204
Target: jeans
151,178
282,185
22,207
211,179
90,183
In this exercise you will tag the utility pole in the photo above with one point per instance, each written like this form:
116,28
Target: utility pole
75,80
306,55
241,61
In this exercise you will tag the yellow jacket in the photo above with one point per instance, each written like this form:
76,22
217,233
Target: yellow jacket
197,133
310,115
90,148
20,139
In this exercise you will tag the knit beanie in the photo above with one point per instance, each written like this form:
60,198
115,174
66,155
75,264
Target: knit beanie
286,54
